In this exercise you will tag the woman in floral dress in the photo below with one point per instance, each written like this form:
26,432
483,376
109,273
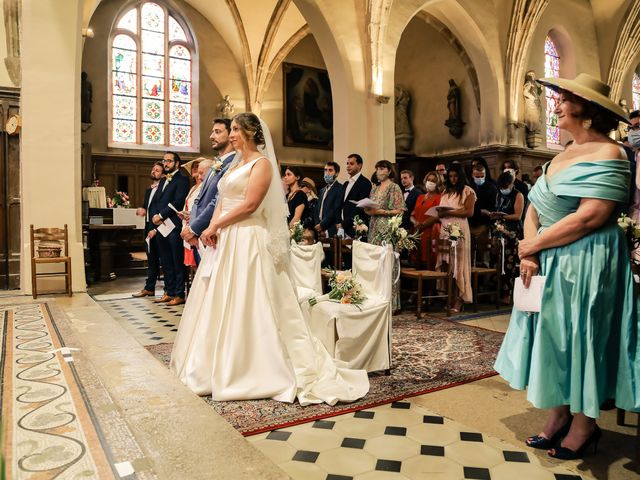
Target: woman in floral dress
460,198
388,196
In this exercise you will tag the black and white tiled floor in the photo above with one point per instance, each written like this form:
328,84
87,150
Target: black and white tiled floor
398,441
148,322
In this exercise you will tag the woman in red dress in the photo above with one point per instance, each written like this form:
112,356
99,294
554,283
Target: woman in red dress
427,222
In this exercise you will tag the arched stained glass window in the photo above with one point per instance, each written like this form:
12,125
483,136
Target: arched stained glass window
551,69
152,56
635,87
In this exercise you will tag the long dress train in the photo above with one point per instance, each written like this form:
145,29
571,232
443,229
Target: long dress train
242,334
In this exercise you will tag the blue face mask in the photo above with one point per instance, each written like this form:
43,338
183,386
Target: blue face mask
479,180
634,138
505,191
329,178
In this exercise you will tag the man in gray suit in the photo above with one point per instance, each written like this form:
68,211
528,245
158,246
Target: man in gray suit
205,204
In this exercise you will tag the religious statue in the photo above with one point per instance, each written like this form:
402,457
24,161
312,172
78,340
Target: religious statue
621,131
404,133
454,122
86,97
225,107
532,92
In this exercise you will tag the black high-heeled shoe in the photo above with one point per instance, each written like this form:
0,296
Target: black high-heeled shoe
564,453
546,443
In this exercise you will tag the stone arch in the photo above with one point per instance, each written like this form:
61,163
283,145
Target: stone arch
469,35
563,42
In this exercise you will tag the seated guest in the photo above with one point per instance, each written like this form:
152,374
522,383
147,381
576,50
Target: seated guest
296,199
353,190
390,202
411,194
507,211
330,201
428,225
480,222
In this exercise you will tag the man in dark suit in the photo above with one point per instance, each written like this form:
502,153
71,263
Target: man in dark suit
354,189
165,205
153,256
329,201
411,194
205,204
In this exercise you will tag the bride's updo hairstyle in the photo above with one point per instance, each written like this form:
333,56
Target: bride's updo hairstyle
250,126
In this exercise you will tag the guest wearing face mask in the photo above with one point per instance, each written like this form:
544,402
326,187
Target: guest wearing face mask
480,161
508,208
632,148
512,167
329,201
428,225
480,222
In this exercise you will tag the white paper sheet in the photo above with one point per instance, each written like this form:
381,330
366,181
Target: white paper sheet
528,299
166,227
365,203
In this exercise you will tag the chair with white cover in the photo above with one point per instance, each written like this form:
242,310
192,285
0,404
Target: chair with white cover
305,270
361,335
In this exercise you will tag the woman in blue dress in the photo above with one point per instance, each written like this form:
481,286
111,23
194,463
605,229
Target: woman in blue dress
582,348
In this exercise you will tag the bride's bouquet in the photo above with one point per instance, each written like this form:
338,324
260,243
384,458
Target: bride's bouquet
396,236
345,288
296,232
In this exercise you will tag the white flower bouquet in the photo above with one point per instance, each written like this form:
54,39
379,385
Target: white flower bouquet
345,288
453,231
500,230
396,236
631,229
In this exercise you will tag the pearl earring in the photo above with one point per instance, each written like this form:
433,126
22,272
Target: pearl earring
586,124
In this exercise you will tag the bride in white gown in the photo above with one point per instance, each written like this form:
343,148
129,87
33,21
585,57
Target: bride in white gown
242,334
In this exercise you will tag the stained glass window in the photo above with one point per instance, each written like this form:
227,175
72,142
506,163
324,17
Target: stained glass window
151,87
551,69
635,87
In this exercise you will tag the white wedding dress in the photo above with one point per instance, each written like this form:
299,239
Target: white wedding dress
242,334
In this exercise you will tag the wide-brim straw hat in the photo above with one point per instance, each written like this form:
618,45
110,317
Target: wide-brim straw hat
306,181
187,166
589,88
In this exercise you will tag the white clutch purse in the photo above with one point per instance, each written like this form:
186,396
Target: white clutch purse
528,299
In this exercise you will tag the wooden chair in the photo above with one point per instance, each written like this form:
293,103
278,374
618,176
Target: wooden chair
478,245
49,234
620,421
344,249
331,246
420,276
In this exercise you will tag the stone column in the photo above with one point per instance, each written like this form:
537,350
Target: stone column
51,50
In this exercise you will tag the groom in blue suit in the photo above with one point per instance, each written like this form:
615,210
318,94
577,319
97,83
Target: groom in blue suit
205,204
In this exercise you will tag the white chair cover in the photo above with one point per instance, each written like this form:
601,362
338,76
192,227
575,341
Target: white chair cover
361,336
305,270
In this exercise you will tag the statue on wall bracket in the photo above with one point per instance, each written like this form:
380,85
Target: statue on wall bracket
454,122
404,132
225,107
621,132
532,93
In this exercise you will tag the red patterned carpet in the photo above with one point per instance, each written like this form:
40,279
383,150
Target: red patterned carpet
428,355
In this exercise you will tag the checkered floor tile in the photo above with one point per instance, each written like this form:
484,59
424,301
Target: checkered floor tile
148,322
401,440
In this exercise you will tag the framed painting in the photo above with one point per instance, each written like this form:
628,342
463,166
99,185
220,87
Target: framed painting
308,107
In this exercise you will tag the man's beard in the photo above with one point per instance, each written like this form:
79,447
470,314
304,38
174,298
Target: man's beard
221,146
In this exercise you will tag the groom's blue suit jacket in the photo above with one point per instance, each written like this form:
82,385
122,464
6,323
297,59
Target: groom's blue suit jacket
205,204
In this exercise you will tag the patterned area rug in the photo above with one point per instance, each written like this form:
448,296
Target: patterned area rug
428,355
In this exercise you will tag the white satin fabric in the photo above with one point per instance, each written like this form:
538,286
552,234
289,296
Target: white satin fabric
361,335
305,270
242,334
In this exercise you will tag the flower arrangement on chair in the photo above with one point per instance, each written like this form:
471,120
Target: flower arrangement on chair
296,232
631,230
500,230
453,231
345,288
360,227
396,236
119,200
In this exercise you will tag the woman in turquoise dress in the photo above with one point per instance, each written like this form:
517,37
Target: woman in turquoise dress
582,348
